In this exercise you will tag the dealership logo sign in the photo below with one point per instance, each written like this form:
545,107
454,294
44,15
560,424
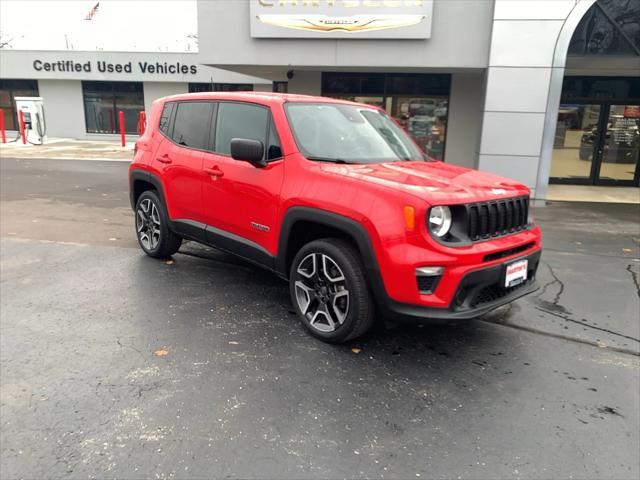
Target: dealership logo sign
341,18
354,23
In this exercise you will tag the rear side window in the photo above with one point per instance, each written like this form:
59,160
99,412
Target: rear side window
165,117
191,124
239,120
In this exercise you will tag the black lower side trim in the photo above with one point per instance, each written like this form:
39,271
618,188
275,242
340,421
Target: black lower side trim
225,241
240,246
471,299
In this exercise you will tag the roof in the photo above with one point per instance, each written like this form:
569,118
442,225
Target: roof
259,97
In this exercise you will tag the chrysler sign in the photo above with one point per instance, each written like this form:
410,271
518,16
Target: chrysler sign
391,19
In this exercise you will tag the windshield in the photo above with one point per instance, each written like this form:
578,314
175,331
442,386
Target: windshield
335,132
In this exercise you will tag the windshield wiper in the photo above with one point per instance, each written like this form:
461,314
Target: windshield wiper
327,159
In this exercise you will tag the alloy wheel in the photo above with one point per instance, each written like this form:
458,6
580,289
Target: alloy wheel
321,292
148,224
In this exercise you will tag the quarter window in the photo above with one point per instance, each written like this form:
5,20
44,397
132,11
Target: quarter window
274,151
239,120
191,124
165,117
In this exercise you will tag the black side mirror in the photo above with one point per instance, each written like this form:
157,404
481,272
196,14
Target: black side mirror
247,150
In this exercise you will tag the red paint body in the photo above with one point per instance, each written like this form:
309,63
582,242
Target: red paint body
23,132
122,127
3,130
374,196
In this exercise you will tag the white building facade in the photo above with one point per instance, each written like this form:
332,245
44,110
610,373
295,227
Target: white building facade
83,92
543,91
536,90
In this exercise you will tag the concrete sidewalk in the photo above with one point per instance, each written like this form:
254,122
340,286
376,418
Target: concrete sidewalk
70,149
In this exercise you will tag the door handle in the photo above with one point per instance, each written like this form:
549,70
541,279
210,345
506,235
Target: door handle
164,158
214,172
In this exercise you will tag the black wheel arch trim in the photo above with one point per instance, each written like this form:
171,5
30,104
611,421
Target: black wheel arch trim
339,222
148,177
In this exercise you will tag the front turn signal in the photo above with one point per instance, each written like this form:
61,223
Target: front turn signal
409,218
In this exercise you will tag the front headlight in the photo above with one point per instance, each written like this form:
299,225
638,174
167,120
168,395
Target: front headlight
440,221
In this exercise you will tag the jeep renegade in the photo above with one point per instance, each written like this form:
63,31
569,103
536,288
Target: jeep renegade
335,197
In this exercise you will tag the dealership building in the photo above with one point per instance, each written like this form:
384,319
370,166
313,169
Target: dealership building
540,91
83,92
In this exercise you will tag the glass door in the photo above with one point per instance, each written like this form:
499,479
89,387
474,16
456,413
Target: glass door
597,144
576,143
619,149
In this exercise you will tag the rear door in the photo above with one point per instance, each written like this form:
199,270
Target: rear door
179,159
238,198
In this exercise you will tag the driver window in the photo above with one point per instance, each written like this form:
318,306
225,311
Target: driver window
239,120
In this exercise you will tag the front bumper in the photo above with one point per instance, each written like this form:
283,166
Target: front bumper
479,292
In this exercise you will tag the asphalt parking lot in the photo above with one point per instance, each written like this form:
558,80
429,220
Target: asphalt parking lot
114,365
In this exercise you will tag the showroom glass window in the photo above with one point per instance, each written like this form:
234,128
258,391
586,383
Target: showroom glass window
420,103
103,101
9,90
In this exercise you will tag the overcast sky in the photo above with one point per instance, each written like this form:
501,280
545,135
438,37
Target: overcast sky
132,25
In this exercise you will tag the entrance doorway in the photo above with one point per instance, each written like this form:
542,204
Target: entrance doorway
597,144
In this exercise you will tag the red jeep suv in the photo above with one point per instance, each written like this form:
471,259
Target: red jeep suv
336,198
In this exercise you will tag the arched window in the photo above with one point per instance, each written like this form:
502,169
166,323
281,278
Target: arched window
610,27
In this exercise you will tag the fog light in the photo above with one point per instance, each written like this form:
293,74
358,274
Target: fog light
429,271
427,279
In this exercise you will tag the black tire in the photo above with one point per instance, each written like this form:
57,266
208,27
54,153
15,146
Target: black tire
347,322
167,242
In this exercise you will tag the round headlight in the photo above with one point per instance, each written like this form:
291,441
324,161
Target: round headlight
440,221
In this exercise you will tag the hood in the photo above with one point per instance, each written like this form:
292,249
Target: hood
434,182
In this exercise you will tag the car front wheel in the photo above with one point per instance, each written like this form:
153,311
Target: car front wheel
329,291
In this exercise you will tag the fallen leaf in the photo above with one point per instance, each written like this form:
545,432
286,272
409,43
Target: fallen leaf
356,350
169,262
161,353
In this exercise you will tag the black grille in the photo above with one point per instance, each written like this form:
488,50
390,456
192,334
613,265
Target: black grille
508,253
494,292
492,219
427,284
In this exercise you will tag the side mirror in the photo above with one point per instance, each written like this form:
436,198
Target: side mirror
247,150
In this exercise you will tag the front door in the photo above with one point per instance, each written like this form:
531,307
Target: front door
597,144
240,201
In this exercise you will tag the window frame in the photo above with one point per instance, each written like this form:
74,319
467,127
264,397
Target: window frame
265,142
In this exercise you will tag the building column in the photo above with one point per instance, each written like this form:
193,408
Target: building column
522,88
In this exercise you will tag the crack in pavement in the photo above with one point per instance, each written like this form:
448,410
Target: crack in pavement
560,336
569,319
634,277
556,300
560,311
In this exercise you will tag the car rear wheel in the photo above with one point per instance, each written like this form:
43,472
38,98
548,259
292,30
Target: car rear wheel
329,291
152,227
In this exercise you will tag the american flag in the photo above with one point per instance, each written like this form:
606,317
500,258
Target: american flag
92,12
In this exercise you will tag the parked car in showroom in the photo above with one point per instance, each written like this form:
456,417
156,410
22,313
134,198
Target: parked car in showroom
336,198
